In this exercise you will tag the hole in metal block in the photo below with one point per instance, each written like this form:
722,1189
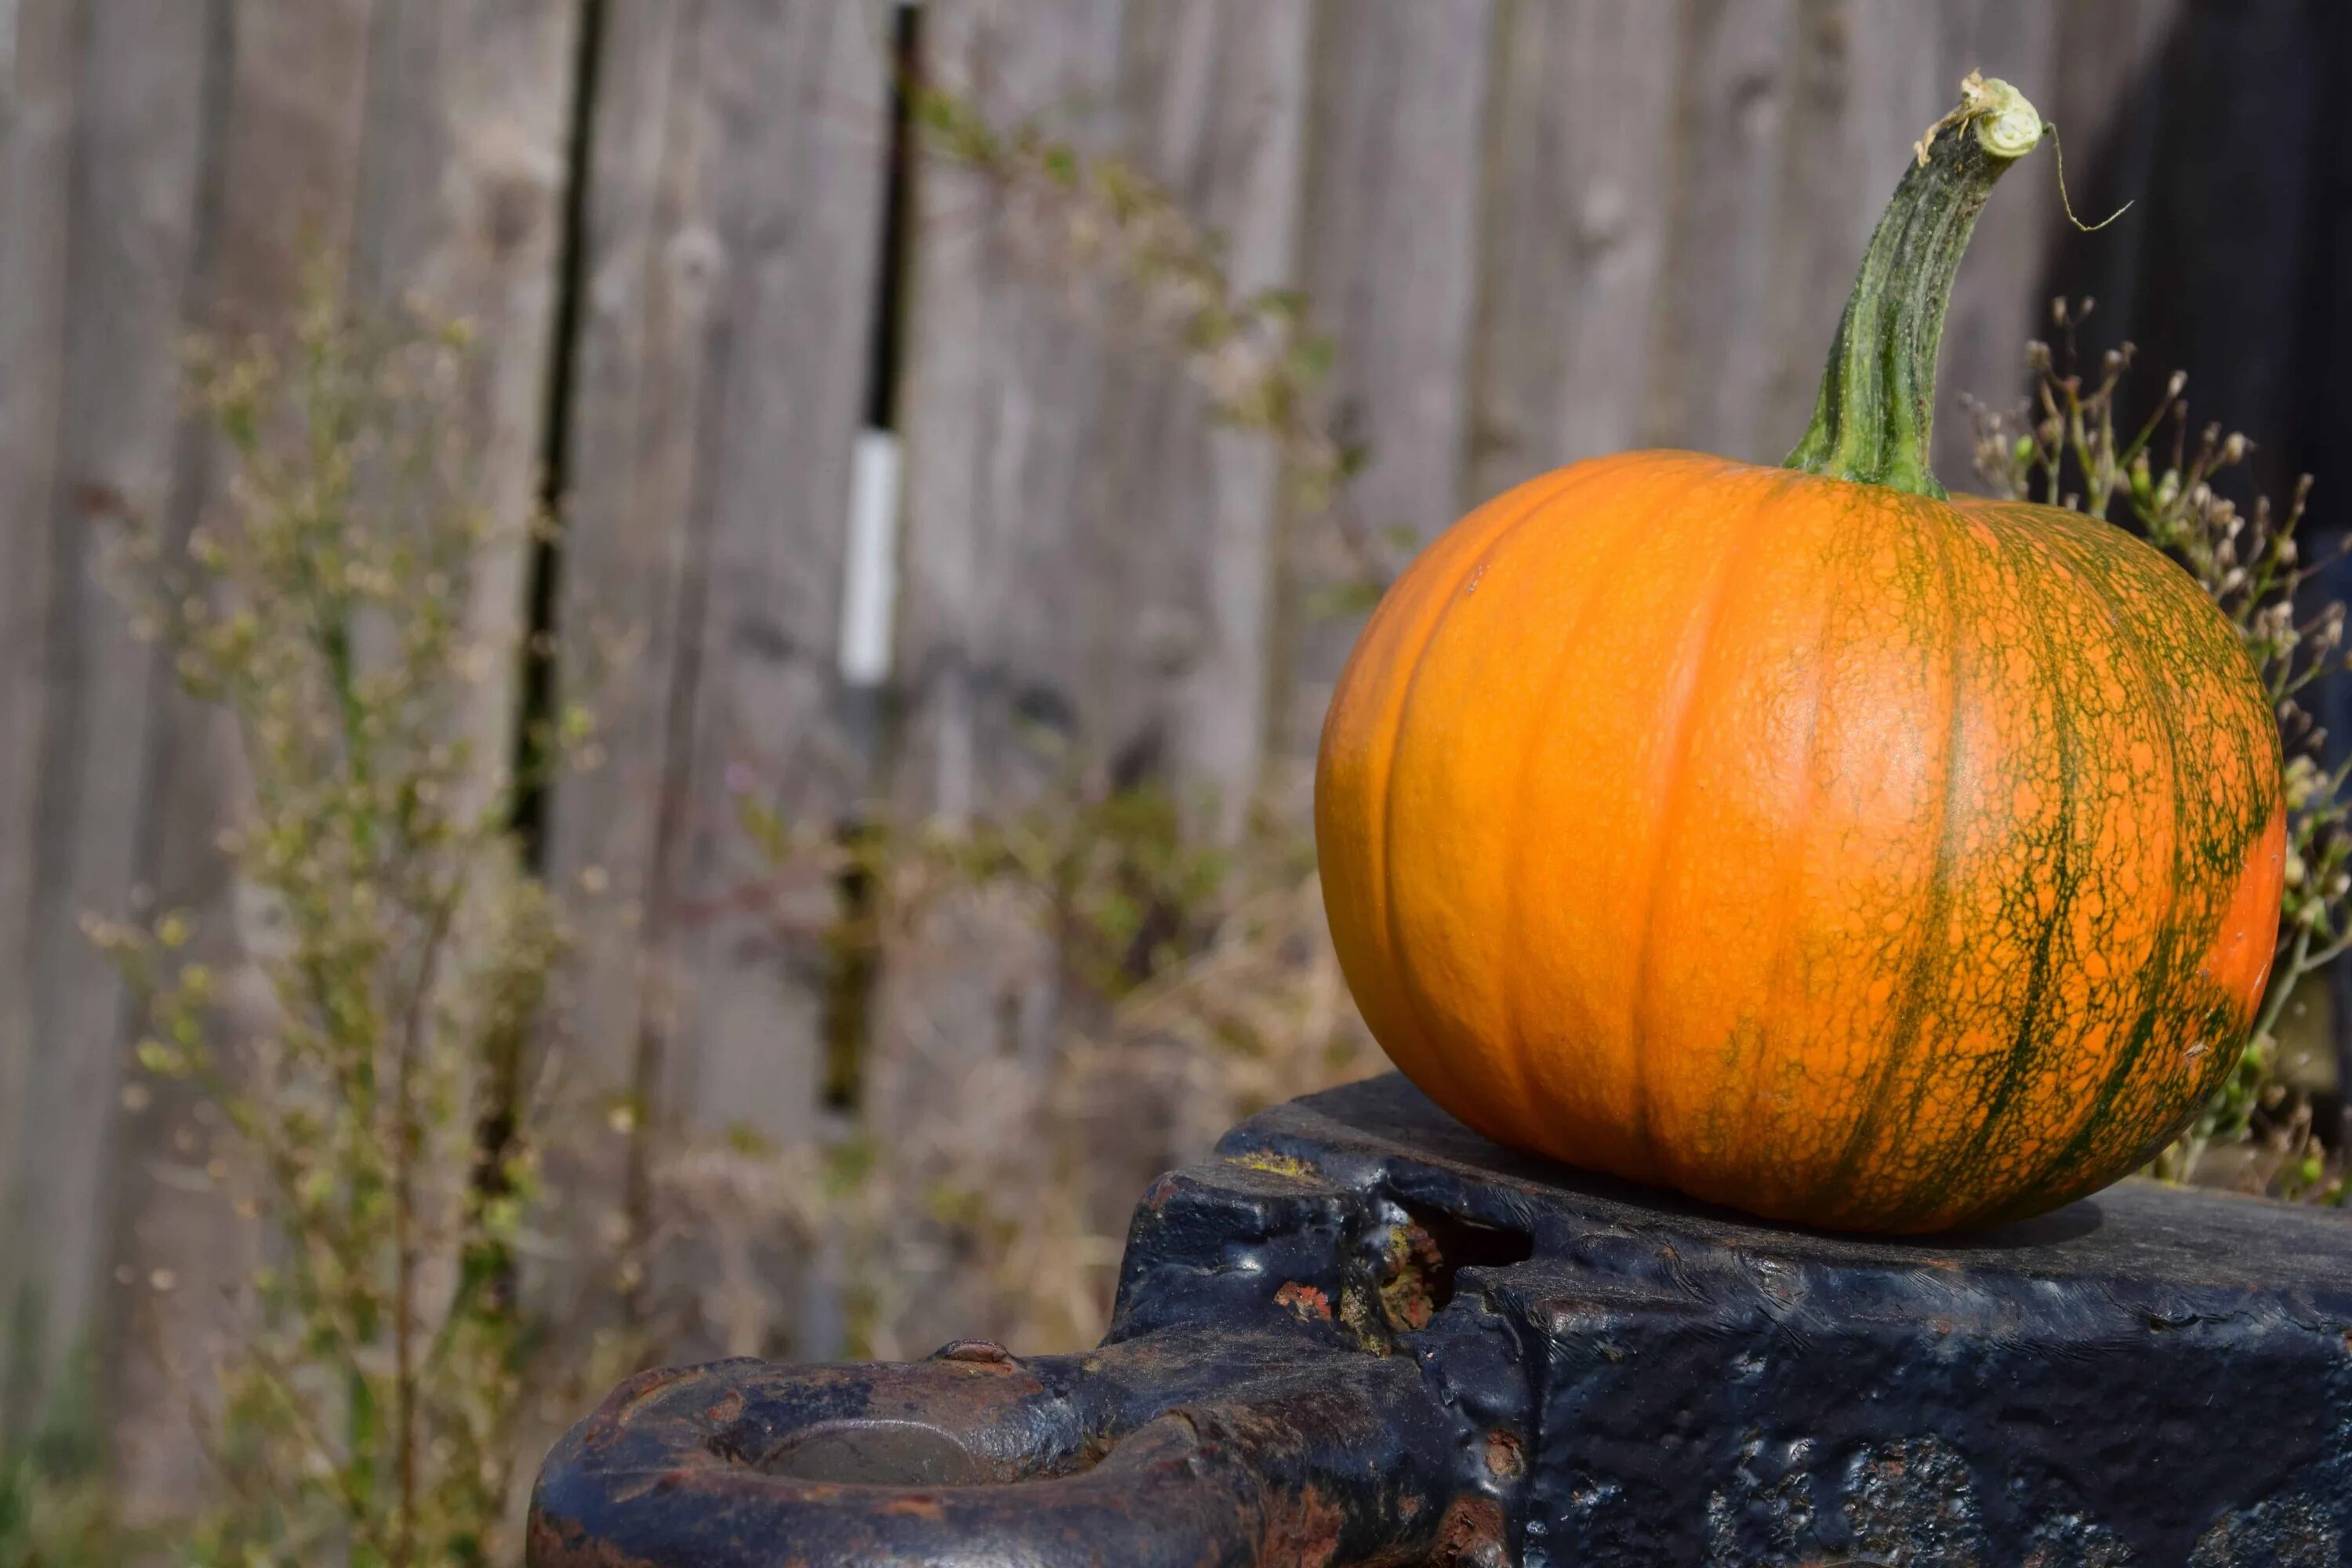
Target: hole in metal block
1433,1247
877,1453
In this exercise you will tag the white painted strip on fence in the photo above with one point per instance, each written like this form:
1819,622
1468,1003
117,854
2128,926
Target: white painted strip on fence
869,585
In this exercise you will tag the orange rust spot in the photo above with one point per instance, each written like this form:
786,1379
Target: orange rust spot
917,1507
981,1355
1471,1522
1504,1458
554,1543
625,1401
1304,1300
1306,1534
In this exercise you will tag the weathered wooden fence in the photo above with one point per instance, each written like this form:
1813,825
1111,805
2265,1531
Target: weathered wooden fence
1538,229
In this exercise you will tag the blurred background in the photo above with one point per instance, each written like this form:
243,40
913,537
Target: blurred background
974,432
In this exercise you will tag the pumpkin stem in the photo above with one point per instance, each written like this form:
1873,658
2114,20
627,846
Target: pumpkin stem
1878,403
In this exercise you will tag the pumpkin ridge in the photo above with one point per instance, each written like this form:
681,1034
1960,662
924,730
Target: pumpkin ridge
2231,857
1570,480
2055,1174
2037,1022
1786,955
2054,1181
1409,607
1902,1038
1680,722
1600,572
1594,587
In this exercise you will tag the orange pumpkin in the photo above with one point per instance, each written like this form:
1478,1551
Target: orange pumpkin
1803,838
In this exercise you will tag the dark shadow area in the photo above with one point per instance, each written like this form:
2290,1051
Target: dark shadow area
2229,265
1457,1243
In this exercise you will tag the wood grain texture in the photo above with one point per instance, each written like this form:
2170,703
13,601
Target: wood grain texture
38,97
1574,236
461,181
1403,112
797,217
1085,555
129,231
1708,370
734,210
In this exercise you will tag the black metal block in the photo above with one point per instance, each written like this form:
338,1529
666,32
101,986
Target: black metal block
1365,1335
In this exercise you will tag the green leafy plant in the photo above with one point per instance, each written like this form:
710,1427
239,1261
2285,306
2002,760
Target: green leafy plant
372,1057
2163,476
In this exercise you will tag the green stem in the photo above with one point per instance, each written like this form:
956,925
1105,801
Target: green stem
1878,396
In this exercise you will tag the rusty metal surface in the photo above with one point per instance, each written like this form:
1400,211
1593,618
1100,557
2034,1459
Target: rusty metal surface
1364,1336
1179,1449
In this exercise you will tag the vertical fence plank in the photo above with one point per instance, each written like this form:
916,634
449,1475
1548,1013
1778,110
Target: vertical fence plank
461,185
283,127
635,402
1087,558
1003,382
798,222
1574,236
1227,129
425,145
1401,130
1711,370
37,202
734,209
130,229
1080,542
